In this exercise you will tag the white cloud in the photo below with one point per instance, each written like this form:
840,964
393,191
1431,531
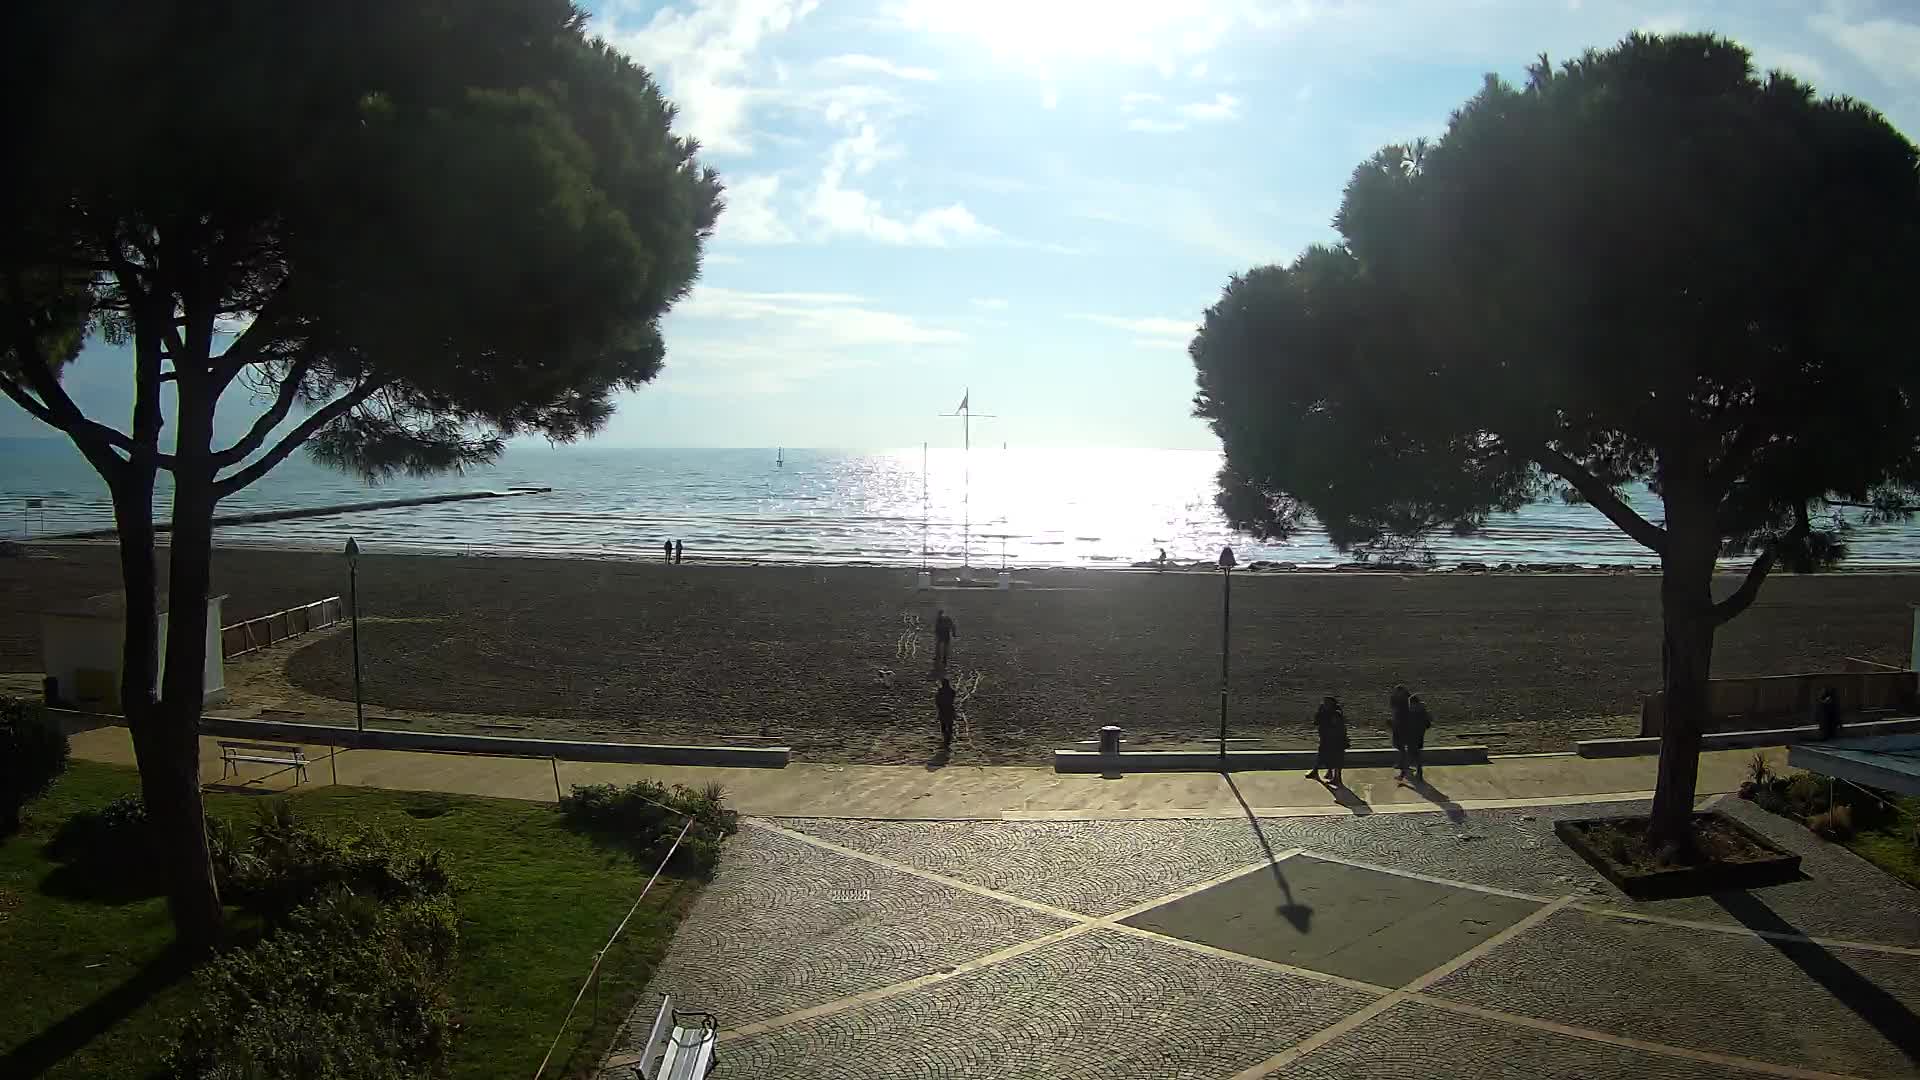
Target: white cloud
878,65
841,209
989,303
703,54
1050,98
1222,107
1150,331
733,341
1044,33
1886,46
750,216
1152,113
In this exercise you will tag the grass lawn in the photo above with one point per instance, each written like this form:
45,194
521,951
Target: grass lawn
95,997
1891,846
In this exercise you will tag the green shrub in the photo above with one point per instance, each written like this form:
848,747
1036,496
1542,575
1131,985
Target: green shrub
645,817
285,864
33,753
350,988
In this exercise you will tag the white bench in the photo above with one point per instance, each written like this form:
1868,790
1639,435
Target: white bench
233,753
677,1050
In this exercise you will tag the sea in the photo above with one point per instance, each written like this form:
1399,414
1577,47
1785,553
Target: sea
986,508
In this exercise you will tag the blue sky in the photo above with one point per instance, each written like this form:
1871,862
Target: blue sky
1036,199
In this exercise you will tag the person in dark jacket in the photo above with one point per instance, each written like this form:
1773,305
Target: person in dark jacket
1397,726
944,632
944,702
679,552
1331,723
1826,712
667,549
1418,721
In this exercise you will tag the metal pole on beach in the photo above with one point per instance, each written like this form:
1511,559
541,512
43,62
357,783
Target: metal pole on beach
353,601
1226,610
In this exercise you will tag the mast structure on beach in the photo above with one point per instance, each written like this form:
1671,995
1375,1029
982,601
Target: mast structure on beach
966,414
923,506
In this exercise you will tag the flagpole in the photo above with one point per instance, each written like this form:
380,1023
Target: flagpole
965,413
923,506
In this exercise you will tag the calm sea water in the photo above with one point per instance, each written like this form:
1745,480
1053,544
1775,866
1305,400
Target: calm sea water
1087,508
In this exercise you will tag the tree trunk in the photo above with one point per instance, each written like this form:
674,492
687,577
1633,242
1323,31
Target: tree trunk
169,764
1686,602
194,895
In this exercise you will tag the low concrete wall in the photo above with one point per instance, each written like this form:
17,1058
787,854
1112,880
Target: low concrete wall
1736,740
1749,704
756,757
1093,761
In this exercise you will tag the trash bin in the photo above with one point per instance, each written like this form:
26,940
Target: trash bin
1110,739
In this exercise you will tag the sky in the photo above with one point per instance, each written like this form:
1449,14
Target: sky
1034,201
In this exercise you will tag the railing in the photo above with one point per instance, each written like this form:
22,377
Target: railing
1738,704
243,638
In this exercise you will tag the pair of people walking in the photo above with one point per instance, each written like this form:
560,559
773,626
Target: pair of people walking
1409,722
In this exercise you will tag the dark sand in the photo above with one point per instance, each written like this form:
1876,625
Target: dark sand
646,652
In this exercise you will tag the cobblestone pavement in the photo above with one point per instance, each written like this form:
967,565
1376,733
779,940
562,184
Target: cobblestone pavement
1415,1040
838,948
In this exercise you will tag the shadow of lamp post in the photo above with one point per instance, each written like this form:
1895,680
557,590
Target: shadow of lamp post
1227,562
353,603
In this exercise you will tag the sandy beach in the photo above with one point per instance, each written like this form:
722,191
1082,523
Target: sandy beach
834,661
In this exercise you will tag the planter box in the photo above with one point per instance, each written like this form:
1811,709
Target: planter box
1773,868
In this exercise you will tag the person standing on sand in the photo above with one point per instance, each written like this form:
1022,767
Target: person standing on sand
943,635
944,703
666,551
1418,721
679,552
1826,713
1397,726
1331,754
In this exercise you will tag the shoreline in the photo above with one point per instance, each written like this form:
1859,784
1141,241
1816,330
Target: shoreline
984,573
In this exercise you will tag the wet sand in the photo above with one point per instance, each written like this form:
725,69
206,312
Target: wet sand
647,652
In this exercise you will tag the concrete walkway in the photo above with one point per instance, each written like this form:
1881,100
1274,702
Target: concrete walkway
977,793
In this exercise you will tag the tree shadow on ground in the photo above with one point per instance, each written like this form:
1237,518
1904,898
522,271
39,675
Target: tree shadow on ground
1885,1013
74,1031
1455,813
1300,915
99,865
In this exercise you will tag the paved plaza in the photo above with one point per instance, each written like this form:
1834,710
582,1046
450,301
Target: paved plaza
1465,943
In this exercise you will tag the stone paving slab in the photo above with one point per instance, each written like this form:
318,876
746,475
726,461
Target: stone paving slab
1847,1010
1413,1040
1324,916
1096,868
1098,1006
785,926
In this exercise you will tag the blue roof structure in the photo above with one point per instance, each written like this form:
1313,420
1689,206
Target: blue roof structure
1888,762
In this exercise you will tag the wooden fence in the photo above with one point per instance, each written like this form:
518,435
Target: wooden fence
242,638
1769,701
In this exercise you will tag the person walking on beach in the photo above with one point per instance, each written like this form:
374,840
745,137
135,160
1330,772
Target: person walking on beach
943,635
1397,711
1418,721
944,700
666,551
679,552
1331,754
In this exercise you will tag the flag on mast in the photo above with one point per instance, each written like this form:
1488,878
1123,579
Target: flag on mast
963,400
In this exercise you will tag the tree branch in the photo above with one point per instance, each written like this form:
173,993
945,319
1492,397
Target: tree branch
1647,534
53,407
257,435
320,418
1743,597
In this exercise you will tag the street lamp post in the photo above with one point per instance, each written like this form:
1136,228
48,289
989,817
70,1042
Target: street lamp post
353,602
1226,608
